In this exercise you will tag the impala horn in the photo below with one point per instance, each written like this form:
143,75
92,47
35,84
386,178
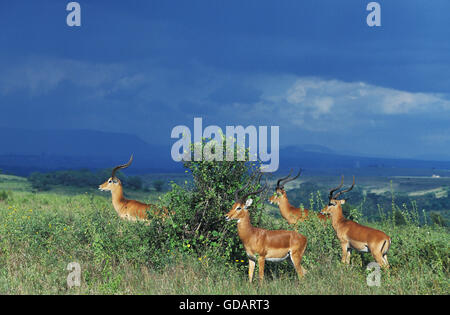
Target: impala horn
337,188
237,192
113,175
344,191
244,197
286,180
283,178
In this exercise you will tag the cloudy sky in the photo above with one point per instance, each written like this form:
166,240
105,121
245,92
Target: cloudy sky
314,68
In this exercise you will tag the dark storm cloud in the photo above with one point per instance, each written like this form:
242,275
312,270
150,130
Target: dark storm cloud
311,67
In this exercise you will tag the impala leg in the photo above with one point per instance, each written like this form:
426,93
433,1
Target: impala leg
296,258
345,253
378,259
384,256
251,269
349,254
386,263
382,261
261,262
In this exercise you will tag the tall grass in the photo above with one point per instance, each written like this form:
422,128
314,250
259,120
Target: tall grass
41,233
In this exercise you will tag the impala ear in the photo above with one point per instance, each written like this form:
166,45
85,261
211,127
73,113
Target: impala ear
343,201
248,203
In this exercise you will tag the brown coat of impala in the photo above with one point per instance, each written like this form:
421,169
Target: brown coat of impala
127,209
260,244
289,212
353,235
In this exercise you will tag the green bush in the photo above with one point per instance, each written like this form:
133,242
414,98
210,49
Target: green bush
198,224
4,195
39,181
437,219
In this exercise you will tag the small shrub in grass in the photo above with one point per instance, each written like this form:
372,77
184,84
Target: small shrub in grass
323,244
4,195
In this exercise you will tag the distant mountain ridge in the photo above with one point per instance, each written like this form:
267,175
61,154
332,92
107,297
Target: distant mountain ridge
23,151
63,149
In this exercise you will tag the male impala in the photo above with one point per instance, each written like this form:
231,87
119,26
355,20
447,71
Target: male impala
353,235
263,244
289,212
126,209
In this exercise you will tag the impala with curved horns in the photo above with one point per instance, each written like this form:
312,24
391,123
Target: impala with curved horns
289,212
127,209
260,244
353,235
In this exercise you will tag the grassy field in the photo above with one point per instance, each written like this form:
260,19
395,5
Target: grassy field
41,233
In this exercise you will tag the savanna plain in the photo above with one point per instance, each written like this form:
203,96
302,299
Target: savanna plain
194,251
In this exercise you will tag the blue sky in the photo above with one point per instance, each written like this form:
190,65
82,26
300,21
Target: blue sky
314,68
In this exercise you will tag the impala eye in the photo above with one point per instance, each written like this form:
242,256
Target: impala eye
110,181
238,208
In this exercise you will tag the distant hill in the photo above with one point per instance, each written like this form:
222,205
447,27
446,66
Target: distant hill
316,163
27,150
24,151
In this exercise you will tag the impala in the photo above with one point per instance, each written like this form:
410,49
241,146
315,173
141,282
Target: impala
353,235
260,244
127,209
288,211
